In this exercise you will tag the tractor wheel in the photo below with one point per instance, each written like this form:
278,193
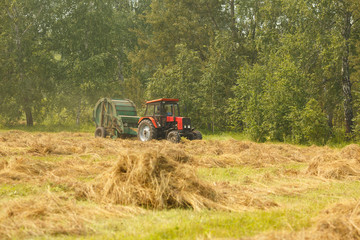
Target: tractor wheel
174,137
146,131
197,135
190,136
100,132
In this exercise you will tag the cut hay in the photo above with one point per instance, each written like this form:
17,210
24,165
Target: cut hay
96,177
342,221
334,165
178,155
154,181
244,198
232,153
47,145
19,168
3,153
351,151
50,214
158,181
3,164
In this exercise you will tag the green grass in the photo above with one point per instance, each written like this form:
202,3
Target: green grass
17,190
235,174
231,174
226,136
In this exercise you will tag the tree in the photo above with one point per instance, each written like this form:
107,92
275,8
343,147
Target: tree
172,23
218,77
91,39
25,80
180,80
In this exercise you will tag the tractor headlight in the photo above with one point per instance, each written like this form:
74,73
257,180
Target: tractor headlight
188,126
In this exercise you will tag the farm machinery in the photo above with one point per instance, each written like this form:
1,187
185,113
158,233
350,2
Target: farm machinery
162,120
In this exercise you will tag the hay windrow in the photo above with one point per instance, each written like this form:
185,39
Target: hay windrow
51,214
335,165
47,145
351,151
152,180
3,164
28,166
157,181
342,221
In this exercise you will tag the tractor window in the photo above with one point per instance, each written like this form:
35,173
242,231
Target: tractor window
150,110
157,109
170,108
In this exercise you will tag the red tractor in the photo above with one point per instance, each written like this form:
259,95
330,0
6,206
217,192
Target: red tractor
162,120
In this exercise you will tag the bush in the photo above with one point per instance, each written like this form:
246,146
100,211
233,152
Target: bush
313,123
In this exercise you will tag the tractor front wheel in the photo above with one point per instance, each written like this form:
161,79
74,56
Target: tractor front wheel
146,131
174,137
100,132
197,135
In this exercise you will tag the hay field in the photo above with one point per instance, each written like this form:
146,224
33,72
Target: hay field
71,185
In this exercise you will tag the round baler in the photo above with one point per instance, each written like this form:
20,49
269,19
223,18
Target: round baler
115,118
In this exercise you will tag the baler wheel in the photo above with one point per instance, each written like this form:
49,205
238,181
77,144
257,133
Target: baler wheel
100,132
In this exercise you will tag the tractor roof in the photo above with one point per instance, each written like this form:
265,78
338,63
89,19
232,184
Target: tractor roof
163,99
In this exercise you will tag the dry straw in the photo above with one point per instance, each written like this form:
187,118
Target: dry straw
155,181
108,174
51,214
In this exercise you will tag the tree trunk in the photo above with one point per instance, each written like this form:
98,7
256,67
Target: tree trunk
233,22
78,114
346,84
29,118
330,117
120,75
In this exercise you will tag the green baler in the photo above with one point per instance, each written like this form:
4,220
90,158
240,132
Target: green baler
115,118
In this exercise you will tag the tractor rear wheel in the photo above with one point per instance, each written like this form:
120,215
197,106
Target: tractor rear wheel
100,132
174,137
146,131
197,135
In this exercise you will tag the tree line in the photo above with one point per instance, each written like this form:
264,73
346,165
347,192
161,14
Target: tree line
281,70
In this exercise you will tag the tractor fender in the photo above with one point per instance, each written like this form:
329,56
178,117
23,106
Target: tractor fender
151,119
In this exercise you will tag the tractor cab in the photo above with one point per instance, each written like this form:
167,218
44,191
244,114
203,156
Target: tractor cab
162,120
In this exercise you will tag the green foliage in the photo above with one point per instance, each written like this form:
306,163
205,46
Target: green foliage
249,66
179,80
248,99
312,126
267,96
217,78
